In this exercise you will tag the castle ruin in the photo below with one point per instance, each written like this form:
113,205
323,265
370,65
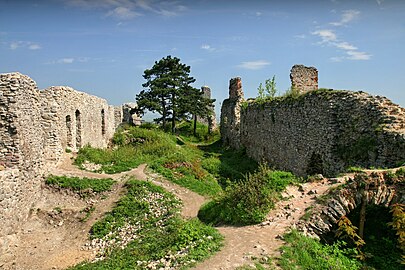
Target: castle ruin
36,128
320,131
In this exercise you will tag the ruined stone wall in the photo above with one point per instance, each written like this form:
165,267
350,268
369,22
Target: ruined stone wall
73,119
324,132
321,131
210,121
21,156
230,114
382,188
304,79
35,129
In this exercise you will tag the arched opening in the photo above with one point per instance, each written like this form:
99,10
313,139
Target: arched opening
69,142
381,244
102,122
78,129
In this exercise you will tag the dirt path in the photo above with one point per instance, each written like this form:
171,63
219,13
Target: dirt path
243,243
53,240
49,244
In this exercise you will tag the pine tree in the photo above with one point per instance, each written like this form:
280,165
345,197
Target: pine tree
166,85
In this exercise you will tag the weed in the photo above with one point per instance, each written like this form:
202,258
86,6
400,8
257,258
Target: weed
303,252
80,185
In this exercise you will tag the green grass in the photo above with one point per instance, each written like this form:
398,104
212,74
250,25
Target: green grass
80,184
247,201
305,253
157,234
185,131
194,166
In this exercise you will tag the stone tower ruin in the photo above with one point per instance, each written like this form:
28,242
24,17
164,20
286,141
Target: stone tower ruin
211,120
304,78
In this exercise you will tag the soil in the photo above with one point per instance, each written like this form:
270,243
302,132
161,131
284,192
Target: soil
54,234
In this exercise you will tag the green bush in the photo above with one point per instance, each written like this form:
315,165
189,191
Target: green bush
247,201
303,252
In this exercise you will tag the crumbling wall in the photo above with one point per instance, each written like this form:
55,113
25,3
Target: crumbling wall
21,156
321,131
210,121
230,114
304,79
382,188
73,119
35,129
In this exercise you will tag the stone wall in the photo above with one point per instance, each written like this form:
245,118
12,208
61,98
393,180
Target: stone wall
304,79
35,129
72,119
230,114
210,121
318,132
21,156
382,188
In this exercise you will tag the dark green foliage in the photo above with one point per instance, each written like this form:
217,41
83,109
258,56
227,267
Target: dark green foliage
381,249
80,184
247,201
186,132
158,236
168,92
309,254
226,164
358,151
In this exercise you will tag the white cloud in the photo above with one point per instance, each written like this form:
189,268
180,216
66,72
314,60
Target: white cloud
24,44
15,45
302,36
34,46
122,13
345,46
258,14
207,47
130,9
65,61
325,34
347,16
254,65
356,55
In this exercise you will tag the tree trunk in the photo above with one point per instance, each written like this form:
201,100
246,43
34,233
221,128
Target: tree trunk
195,125
163,113
173,114
363,212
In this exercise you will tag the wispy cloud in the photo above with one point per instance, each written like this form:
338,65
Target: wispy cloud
254,65
326,35
65,61
207,47
24,44
356,55
329,38
347,16
123,13
130,9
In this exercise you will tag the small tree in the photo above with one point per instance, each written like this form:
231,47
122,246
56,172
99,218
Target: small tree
269,90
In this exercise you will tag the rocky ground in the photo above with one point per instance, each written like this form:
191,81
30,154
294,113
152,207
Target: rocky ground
55,237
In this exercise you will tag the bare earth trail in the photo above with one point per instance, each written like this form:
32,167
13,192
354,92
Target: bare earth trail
57,243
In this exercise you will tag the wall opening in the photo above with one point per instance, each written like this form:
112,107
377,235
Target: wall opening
102,122
78,129
315,164
69,142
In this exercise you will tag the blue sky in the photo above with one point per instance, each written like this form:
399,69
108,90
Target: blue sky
102,47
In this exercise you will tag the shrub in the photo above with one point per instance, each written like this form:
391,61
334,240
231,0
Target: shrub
80,184
247,201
